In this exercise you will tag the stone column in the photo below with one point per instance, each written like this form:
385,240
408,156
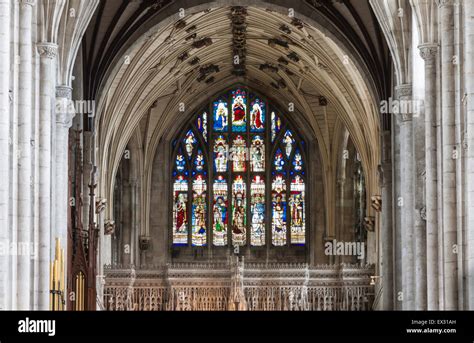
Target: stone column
64,116
397,215
428,53
25,173
404,94
133,226
419,210
386,234
448,145
469,80
125,248
100,279
48,53
4,148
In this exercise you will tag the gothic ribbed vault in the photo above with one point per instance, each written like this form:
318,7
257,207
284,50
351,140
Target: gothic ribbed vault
295,59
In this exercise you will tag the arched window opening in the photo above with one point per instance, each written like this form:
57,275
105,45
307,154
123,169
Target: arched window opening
239,176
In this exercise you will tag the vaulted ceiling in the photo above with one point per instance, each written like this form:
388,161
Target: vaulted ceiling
144,58
117,23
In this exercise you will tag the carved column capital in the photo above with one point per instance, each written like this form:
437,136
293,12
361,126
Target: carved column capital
403,91
145,242
428,51
376,203
48,50
444,3
369,223
100,205
109,227
27,3
64,92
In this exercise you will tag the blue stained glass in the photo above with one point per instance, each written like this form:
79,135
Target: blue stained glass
288,142
221,116
201,124
279,161
190,142
180,162
276,126
199,161
298,161
199,212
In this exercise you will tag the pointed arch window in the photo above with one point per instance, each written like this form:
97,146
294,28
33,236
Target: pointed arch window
239,176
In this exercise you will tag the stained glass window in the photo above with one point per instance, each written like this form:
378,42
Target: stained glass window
220,213
257,194
239,110
190,143
199,161
221,116
276,125
199,211
279,161
298,162
221,152
239,155
297,210
288,142
257,155
279,211
201,124
180,223
239,212
180,162
257,116
239,176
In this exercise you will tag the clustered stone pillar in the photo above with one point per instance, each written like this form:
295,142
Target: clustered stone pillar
429,53
64,116
126,223
386,235
405,199
469,72
48,53
448,161
4,149
25,156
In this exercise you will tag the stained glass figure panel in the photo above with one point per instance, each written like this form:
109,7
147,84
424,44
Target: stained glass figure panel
239,110
276,126
257,155
199,163
190,142
297,210
279,211
239,212
257,210
221,116
288,142
221,152
201,124
180,162
279,161
298,161
257,115
199,211
220,212
180,213
239,155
